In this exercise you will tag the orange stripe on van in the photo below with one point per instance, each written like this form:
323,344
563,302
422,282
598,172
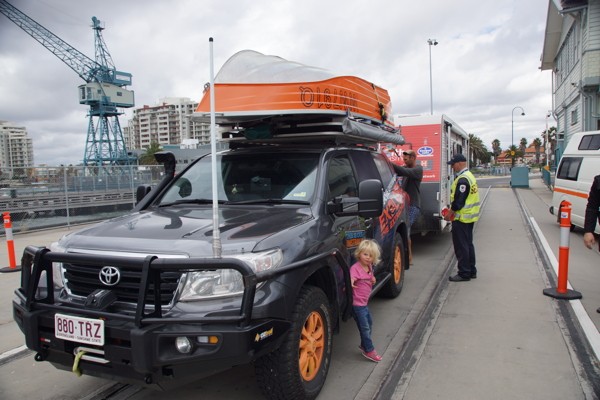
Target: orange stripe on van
571,192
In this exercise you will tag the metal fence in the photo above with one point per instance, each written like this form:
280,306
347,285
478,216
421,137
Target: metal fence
44,197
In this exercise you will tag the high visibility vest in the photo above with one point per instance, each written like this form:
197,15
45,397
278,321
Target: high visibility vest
470,211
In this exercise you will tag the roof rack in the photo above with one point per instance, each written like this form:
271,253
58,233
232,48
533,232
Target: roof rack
328,128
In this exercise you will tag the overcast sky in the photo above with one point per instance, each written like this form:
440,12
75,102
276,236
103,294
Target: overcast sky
486,63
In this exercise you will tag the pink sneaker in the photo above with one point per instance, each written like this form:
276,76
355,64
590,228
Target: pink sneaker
372,355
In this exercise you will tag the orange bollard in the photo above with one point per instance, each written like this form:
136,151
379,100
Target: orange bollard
561,291
10,244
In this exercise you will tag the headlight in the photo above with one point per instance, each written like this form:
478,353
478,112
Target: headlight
227,282
57,276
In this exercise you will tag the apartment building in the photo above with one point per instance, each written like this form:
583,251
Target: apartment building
572,51
167,123
16,148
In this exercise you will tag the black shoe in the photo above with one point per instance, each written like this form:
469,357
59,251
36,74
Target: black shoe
474,276
458,278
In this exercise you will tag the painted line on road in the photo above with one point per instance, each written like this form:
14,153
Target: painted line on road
591,333
12,354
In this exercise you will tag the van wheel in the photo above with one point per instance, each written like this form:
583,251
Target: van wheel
393,287
297,370
572,228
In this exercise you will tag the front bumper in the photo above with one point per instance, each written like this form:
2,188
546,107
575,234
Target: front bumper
140,344
148,354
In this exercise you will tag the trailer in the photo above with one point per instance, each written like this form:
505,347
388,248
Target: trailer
435,139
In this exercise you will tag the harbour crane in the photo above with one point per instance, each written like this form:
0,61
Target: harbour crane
104,90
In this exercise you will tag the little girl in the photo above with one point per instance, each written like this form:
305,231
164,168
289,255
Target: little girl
362,278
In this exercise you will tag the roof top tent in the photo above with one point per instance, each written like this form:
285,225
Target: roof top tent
266,97
435,139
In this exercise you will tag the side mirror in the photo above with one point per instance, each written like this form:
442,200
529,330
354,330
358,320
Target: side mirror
369,200
370,194
141,192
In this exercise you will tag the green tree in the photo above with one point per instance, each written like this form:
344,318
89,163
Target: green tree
537,143
514,152
523,145
148,157
496,149
477,149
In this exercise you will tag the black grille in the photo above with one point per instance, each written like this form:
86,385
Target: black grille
83,280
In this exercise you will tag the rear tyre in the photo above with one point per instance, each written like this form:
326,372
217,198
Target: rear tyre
397,267
297,370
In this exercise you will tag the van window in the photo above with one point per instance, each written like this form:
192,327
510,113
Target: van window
590,142
569,168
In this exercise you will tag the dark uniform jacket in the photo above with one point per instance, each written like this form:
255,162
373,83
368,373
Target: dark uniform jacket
592,210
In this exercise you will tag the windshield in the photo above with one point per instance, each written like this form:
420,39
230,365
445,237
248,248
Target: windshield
284,177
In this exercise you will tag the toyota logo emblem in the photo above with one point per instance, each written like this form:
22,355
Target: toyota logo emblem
109,276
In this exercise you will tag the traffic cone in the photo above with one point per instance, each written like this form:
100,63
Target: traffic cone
10,244
561,291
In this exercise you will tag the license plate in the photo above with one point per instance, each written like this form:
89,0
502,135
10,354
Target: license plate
78,329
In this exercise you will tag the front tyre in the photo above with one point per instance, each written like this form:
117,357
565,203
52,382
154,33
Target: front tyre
297,370
393,287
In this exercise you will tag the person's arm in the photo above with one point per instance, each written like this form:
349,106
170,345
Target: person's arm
414,173
591,213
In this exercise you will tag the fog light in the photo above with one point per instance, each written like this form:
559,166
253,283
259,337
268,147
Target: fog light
183,345
208,339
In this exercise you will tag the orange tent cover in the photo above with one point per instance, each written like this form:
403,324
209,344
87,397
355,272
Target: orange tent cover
254,84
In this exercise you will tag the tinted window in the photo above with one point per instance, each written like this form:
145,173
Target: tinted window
243,177
569,168
384,168
340,178
590,142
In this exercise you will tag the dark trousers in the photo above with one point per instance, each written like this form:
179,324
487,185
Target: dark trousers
462,239
364,322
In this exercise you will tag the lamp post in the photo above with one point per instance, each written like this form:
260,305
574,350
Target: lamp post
512,131
547,147
512,135
431,42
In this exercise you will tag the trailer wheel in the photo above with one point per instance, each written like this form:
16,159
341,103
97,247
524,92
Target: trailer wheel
393,287
297,370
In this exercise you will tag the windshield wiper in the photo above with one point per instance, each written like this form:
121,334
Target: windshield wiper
190,201
269,201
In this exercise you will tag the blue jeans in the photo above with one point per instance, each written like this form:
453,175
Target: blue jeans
362,316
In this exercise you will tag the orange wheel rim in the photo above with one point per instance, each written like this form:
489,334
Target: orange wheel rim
312,346
397,265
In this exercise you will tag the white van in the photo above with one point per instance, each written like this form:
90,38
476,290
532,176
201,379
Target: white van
578,166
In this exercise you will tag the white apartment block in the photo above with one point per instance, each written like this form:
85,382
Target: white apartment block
16,148
572,51
167,123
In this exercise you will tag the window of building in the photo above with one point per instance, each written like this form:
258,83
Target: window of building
574,116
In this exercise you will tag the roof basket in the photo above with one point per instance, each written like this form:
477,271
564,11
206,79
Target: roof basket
310,128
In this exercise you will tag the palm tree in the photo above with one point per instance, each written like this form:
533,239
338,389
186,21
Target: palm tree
496,149
148,157
514,152
477,149
537,143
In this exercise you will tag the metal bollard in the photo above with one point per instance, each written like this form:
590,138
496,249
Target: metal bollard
561,291
10,245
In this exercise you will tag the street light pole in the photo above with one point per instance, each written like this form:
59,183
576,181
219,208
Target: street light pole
512,135
431,42
512,131
547,148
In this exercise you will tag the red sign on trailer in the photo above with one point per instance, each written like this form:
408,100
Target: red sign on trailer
435,139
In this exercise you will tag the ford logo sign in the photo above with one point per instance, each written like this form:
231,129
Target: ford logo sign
425,151
109,276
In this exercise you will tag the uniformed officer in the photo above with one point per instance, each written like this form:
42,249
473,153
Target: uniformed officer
464,212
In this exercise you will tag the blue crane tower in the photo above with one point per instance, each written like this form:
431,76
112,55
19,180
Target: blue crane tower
104,89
